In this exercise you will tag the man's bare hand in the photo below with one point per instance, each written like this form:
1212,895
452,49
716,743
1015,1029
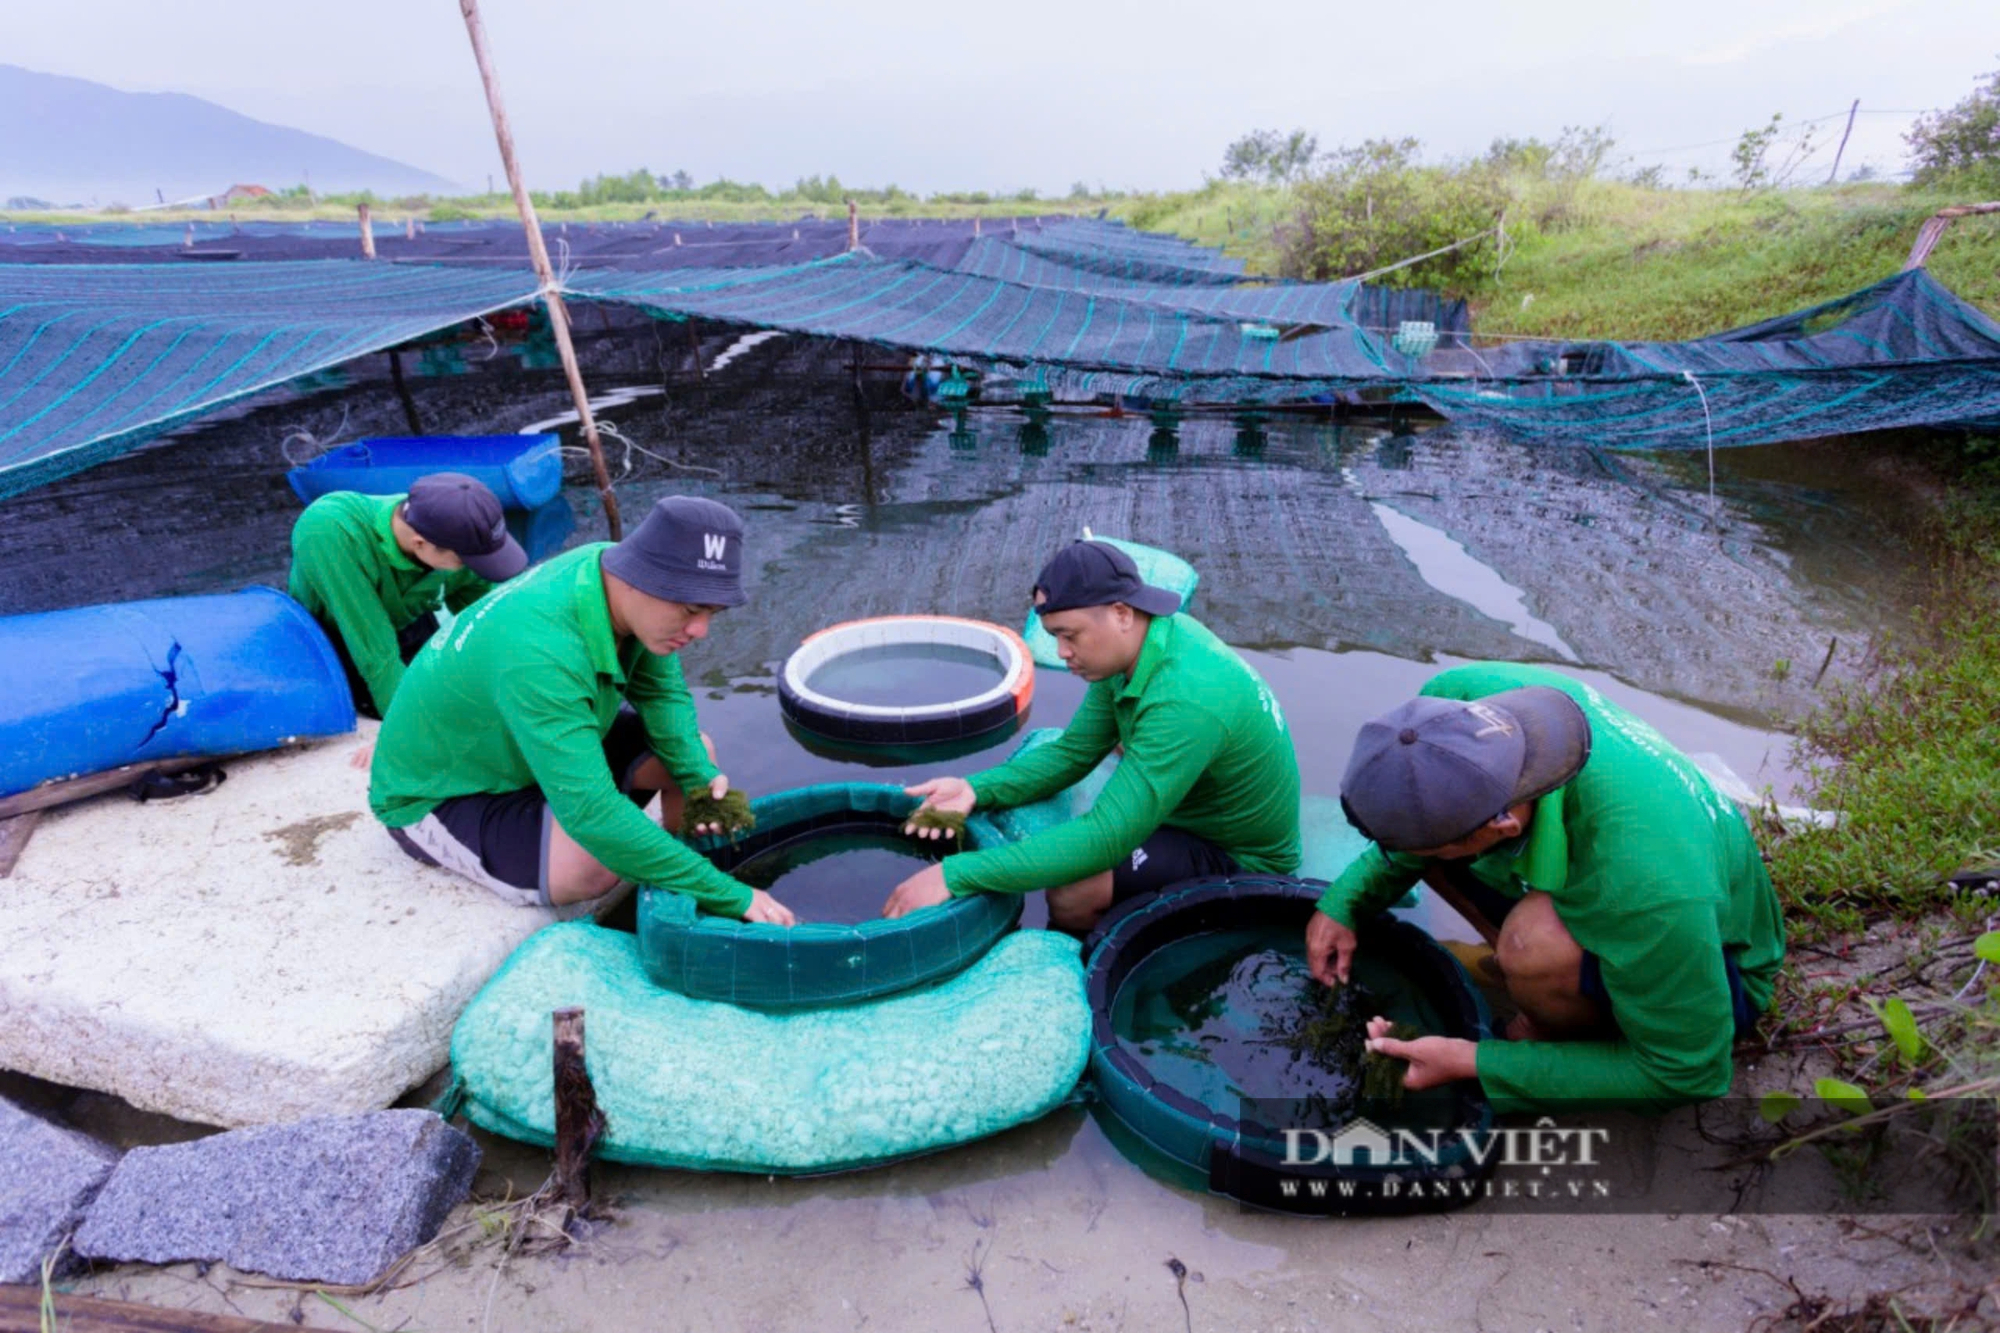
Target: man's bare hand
1433,1060
951,795
926,888
364,755
768,910
1329,949
716,791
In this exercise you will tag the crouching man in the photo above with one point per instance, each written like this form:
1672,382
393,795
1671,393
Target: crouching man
524,743
1632,920
1207,783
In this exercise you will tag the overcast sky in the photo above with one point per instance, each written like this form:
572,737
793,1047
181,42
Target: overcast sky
1038,93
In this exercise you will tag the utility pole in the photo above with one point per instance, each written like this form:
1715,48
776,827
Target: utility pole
538,253
1831,176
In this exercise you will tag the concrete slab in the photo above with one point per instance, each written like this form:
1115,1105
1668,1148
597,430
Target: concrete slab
258,954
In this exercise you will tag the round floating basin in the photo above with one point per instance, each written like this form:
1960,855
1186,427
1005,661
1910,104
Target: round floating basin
907,681
832,853
1197,999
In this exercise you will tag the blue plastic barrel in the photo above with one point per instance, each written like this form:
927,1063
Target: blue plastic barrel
525,471
102,686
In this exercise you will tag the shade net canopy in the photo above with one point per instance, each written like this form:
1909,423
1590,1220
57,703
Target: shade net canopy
112,333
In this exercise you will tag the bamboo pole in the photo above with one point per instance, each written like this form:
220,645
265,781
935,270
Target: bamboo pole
367,232
539,254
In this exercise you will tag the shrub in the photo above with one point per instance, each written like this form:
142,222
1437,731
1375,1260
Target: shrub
1375,205
1960,147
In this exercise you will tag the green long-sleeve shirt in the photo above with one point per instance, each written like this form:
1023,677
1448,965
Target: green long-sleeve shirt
1205,749
348,571
1651,869
520,692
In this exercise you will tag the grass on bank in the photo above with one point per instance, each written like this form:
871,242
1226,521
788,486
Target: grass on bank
1910,756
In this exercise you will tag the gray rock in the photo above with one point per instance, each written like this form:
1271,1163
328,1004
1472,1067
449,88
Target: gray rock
331,1199
49,1175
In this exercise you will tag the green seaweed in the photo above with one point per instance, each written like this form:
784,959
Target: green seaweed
732,813
1382,1075
930,817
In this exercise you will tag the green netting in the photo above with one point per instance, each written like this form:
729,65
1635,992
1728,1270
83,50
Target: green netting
705,1086
1161,569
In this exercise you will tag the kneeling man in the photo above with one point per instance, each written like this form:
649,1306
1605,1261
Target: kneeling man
375,570
525,741
1207,784
1632,920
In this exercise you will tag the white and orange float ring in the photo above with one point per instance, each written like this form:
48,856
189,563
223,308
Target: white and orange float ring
916,724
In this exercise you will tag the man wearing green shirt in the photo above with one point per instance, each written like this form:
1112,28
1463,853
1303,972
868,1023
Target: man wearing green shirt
1207,783
374,569
526,740
1631,916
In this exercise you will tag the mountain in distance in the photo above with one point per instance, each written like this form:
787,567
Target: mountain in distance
71,141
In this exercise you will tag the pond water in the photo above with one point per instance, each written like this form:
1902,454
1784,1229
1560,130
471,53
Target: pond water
839,875
1346,563
907,675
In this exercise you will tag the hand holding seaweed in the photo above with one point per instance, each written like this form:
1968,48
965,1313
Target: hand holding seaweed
1382,1074
950,823
730,813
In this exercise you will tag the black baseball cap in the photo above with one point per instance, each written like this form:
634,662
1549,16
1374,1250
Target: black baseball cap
1091,573
688,550
457,512
1432,771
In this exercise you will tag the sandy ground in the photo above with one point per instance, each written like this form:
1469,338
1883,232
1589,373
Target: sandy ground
1063,1233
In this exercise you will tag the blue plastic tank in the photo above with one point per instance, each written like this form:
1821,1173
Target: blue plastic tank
102,686
525,471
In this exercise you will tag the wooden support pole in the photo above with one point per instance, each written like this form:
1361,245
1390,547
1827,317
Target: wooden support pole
410,228
579,1124
403,391
14,835
539,254
367,232
853,227
65,790
1834,175
21,1312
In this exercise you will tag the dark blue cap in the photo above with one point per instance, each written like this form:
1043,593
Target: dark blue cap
1089,573
688,550
462,515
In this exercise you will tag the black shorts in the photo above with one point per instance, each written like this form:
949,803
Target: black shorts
501,840
1169,856
410,641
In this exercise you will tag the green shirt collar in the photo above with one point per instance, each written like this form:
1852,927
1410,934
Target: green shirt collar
385,528
593,615
1158,635
1543,863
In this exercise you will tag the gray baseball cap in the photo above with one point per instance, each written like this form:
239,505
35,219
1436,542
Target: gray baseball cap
1432,771
452,510
688,550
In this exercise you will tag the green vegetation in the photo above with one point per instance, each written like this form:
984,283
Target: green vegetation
1908,757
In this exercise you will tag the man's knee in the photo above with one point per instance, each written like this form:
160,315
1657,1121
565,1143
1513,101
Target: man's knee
1077,907
1535,945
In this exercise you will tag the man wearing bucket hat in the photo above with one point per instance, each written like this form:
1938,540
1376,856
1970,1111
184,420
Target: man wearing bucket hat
1207,783
1633,924
528,738
374,569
